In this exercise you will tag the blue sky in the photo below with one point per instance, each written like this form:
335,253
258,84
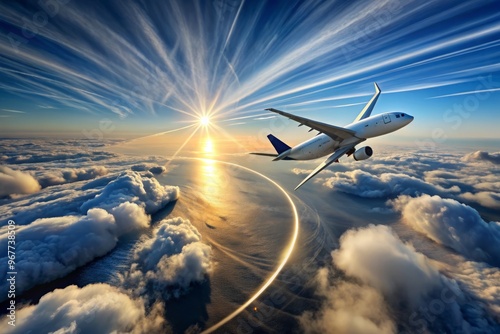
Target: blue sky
155,66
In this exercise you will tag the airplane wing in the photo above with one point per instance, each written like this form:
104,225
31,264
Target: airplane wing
367,110
335,132
331,159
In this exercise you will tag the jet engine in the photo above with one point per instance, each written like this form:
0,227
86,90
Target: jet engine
363,153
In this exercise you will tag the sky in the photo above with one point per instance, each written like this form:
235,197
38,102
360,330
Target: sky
130,69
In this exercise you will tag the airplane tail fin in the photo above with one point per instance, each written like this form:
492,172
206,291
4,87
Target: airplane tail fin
279,146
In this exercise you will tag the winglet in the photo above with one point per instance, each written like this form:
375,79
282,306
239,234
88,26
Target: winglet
367,110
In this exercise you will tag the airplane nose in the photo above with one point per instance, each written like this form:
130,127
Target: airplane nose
411,118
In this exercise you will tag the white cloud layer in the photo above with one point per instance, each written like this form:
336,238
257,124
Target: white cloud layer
386,277
347,308
488,199
50,248
483,156
71,175
131,186
95,308
452,224
377,257
364,184
16,182
472,177
170,261
483,281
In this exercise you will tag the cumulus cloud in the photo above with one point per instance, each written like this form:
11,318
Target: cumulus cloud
148,167
77,199
170,261
494,158
44,156
386,277
16,182
347,308
488,199
442,173
50,248
71,175
377,257
364,184
131,186
158,169
453,224
95,307
483,281
129,216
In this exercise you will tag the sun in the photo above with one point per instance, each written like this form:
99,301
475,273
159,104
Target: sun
204,120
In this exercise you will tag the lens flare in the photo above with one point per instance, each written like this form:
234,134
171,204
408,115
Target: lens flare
204,120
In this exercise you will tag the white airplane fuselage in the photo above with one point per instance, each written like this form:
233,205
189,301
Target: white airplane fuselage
373,126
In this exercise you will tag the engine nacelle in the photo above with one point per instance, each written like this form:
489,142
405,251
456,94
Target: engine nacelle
363,153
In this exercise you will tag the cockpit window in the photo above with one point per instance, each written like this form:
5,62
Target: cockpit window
402,115
397,115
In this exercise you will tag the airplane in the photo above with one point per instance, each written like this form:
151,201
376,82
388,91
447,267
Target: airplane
336,140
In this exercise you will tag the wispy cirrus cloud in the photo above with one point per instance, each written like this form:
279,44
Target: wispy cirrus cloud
14,111
218,66
479,91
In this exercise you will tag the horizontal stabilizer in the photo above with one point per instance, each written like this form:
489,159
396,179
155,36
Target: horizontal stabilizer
265,154
271,155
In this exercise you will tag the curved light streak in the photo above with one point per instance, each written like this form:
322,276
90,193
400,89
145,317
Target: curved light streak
288,252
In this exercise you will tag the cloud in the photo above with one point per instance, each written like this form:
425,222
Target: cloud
129,217
479,156
158,170
95,307
148,167
364,184
452,224
68,199
387,279
50,248
347,308
414,173
483,281
64,157
71,175
170,261
131,186
16,182
488,199
377,257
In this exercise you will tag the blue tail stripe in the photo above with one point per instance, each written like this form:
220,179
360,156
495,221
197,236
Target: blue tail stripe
278,144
